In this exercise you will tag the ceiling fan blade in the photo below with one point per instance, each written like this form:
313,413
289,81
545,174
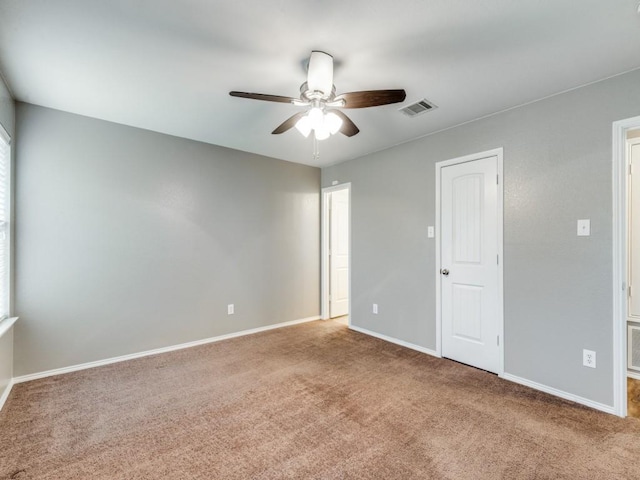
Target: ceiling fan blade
320,73
262,96
371,98
288,123
348,128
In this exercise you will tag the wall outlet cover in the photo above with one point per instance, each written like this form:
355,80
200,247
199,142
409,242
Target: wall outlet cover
230,309
589,358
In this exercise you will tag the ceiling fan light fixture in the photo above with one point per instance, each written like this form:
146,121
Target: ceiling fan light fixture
333,122
320,74
304,126
316,118
318,95
322,133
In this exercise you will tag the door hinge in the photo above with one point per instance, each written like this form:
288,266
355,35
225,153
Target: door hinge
497,259
629,290
498,340
630,169
497,179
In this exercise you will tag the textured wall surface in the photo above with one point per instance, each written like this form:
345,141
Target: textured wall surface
557,286
130,240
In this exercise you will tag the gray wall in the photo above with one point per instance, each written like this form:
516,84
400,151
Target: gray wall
7,115
130,240
557,286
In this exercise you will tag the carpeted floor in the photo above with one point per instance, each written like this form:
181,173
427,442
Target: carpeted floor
633,397
314,401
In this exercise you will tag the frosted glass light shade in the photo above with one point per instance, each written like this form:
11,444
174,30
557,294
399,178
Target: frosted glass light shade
322,133
316,118
304,126
320,74
323,125
333,122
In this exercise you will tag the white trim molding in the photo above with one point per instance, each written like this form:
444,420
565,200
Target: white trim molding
558,393
5,394
634,375
6,324
402,343
619,238
171,348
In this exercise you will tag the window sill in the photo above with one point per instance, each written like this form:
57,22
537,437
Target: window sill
6,324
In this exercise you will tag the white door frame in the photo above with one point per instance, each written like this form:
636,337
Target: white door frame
620,273
497,152
324,248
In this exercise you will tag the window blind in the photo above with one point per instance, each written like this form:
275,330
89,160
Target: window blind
5,185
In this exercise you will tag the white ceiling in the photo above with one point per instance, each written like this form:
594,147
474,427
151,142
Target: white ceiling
168,65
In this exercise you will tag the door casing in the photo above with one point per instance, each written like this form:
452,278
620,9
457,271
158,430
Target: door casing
324,247
498,153
620,168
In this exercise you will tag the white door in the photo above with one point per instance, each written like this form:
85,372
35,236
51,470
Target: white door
634,231
469,263
339,253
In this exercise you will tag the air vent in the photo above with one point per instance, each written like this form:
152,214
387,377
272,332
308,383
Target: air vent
633,349
417,108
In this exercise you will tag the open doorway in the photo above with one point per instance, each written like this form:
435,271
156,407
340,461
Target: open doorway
336,252
626,275
633,274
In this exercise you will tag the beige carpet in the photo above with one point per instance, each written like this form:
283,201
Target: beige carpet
314,401
633,397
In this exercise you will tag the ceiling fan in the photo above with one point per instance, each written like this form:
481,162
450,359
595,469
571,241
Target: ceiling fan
318,94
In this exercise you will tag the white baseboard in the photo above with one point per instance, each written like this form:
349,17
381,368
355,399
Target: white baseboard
559,393
402,343
171,348
5,394
634,375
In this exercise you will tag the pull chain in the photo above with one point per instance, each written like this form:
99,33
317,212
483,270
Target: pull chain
316,148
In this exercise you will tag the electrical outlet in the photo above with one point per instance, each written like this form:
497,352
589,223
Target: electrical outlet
375,308
230,309
589,358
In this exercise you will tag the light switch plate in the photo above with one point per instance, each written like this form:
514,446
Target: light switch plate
584,227
430,231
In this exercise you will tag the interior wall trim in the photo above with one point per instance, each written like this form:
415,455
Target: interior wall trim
170,348
6,324
559,393
619,279
634,375
402,343
5,394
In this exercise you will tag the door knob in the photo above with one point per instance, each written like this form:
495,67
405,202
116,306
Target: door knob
444,272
